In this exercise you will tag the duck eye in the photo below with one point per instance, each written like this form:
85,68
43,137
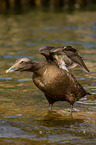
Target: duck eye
21,62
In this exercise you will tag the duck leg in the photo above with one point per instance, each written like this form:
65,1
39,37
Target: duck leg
71,108
51,101
50,107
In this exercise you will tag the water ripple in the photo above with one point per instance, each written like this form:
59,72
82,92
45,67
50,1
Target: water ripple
6,79
83,43
14,56
22,80
32,44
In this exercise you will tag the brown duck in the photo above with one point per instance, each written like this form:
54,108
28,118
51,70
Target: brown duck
57,84
64,57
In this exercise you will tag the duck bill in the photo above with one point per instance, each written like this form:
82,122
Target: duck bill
11,69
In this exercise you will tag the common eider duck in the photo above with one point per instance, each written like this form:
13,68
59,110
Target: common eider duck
57,84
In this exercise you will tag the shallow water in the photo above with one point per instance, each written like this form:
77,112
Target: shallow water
24,115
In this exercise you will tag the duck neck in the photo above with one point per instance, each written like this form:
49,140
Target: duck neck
36,67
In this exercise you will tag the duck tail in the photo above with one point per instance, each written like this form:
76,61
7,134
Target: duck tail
88,93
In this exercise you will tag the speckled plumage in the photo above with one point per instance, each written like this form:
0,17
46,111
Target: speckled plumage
64,57
57,84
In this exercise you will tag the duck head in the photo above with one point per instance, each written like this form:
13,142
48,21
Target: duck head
23,64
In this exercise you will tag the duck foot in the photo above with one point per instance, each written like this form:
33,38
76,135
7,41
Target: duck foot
50,107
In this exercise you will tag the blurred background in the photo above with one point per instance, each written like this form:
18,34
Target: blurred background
10,6
25,26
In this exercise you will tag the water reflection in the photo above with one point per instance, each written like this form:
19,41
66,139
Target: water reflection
53,127
54,118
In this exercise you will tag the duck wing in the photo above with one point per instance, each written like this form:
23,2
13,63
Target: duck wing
72,54
46,51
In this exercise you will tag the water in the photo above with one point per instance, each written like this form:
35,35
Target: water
24,115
